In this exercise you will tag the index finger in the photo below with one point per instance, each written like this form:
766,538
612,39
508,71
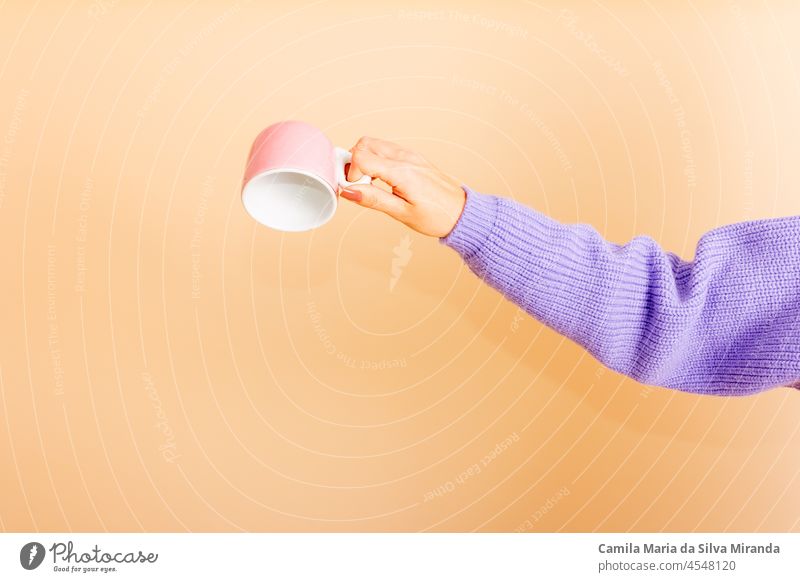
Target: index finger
385,148
371,164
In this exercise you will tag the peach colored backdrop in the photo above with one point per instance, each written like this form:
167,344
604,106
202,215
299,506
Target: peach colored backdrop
167,364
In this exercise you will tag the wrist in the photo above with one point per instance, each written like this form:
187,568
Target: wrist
474,225
458,210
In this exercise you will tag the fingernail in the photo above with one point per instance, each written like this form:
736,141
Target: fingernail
353,195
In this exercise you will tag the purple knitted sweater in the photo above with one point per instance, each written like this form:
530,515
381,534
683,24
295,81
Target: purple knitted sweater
726,323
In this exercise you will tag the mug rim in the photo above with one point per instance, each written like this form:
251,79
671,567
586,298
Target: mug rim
302,172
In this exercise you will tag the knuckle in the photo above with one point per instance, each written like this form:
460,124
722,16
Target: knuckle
404,171
358,157
404,212
409,156
363,142
368,198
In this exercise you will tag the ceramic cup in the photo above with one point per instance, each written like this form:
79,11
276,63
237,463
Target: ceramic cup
293,177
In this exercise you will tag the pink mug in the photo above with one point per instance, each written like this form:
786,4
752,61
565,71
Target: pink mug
293,177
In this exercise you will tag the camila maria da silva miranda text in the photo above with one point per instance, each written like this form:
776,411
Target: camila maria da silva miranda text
685,548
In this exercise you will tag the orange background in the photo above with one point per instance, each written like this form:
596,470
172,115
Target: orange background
167,364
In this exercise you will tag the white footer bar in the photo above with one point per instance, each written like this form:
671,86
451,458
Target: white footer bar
400,556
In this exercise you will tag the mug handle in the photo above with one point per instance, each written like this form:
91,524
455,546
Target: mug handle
344,157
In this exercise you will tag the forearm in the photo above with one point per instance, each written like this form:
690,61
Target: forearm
727,322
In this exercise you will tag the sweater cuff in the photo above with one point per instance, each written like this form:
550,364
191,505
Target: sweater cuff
474,225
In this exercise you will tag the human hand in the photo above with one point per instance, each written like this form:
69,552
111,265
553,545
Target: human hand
422,196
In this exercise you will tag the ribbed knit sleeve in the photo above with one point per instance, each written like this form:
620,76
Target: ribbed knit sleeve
725,323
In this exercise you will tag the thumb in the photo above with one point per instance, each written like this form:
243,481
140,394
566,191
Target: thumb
370,196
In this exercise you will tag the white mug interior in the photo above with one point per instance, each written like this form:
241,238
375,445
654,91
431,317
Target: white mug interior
289,200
